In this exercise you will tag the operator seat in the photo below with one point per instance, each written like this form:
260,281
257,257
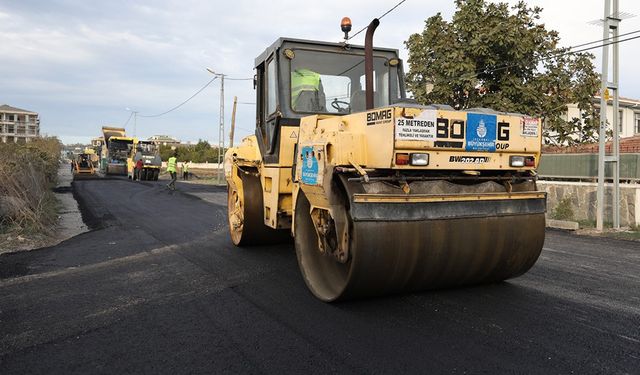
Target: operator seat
311,101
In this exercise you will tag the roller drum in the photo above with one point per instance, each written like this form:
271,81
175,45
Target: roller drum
404,254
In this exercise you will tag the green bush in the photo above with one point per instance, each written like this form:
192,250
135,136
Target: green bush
564,210
27,174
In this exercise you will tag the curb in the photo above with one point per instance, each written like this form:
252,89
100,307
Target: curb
563,224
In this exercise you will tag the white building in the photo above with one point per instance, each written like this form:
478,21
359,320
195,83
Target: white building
628,115
18,125
164,140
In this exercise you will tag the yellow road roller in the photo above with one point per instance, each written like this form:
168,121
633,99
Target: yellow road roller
380,194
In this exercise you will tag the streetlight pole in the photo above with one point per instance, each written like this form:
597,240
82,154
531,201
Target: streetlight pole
135,123
135,120
221,128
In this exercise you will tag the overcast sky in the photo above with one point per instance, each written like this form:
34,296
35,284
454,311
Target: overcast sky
81,63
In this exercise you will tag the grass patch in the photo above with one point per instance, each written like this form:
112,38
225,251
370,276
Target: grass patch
589,226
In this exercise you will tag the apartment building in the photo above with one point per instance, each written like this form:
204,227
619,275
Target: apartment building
18,125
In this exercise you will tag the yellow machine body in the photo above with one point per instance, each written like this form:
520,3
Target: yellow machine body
148,152
393,199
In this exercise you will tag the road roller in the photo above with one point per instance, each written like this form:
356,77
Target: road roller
380,194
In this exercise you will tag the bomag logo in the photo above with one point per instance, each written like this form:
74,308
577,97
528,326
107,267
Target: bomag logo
379,117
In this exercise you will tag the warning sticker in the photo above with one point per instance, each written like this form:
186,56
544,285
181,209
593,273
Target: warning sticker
419,128
529,127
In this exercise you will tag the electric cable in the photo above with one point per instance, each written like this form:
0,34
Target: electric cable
184,102
568,51
384,14
129,119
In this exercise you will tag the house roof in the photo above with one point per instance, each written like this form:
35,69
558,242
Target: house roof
627,145
628,102
10,109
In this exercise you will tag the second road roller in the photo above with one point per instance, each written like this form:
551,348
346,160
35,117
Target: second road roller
380,194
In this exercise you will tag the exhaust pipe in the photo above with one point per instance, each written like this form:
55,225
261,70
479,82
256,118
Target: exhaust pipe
368,62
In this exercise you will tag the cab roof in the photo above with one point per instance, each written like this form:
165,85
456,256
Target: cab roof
313,43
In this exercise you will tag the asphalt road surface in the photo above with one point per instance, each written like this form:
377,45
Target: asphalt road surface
157,287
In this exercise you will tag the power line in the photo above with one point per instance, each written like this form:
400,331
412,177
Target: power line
604,40
184,102
567,52
384,14
129,119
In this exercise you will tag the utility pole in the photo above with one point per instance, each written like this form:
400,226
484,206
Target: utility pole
135,123
221,131
615,159
610,29
233,121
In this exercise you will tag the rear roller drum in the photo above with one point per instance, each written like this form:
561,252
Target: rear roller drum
245,214
388,256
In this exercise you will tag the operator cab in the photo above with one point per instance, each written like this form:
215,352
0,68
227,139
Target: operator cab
297,78
147,147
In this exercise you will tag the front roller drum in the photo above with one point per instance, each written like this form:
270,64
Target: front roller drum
389,256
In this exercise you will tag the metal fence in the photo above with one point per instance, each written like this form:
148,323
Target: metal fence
585,166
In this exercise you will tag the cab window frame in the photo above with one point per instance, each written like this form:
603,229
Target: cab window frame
390,85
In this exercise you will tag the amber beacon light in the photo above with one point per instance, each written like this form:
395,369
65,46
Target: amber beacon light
345,25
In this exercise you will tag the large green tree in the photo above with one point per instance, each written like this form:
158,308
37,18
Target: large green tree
501,57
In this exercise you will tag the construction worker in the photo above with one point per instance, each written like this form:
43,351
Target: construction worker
171,168
307,94
185,170
138,170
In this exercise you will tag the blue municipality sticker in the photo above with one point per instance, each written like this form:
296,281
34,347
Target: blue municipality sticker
481,132
309,166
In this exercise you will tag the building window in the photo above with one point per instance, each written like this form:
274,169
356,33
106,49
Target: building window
620,118
10,129
637,122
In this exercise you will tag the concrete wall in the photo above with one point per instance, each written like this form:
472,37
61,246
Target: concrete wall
583,200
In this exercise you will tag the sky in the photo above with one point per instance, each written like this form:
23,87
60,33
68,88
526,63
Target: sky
85,64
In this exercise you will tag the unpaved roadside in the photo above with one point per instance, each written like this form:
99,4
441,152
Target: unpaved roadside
69,223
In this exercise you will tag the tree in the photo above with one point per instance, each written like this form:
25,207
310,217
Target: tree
199,153
491,55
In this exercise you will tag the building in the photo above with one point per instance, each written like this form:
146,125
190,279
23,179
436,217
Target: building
628,115
18,125
164,140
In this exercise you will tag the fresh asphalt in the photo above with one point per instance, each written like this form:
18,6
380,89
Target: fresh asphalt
157,287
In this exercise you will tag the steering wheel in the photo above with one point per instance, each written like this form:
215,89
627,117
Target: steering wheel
341,106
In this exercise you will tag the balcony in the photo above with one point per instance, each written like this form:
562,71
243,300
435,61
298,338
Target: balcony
35,122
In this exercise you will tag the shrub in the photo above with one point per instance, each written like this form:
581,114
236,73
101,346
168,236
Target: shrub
27,174
564,210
